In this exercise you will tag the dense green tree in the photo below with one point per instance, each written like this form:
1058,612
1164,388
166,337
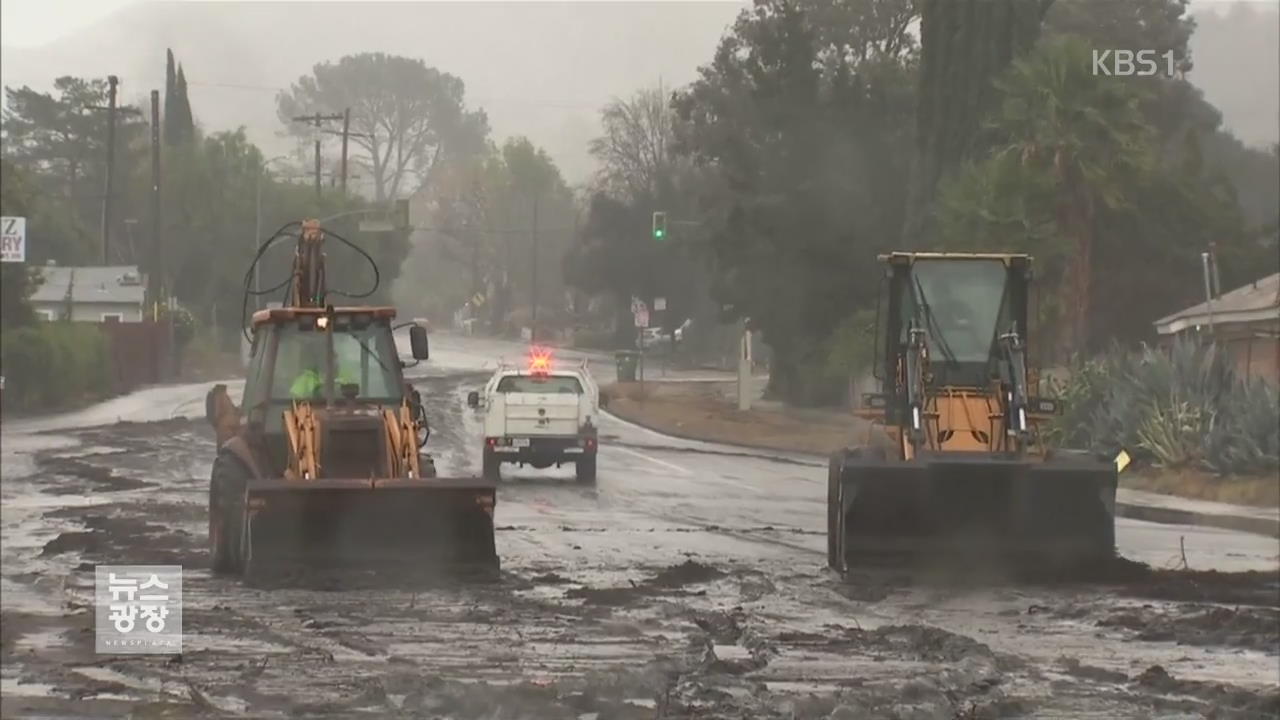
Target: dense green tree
811,138
17,280
1078,181
1189,129
965,44
410,118
60,141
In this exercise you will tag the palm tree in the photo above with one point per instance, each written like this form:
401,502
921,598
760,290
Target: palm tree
1086,136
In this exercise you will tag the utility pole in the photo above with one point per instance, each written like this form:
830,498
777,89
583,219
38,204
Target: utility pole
346,129
317,168
156,280
533,330
316,119
744,369
112,83
346,134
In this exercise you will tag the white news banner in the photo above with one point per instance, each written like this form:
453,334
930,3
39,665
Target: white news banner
138,609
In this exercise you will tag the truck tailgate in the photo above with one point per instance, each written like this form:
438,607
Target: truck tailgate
541,414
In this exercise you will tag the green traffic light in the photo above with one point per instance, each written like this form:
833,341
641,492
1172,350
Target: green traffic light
659,233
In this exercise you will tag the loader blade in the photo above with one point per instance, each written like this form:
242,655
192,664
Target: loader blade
984,508
396,525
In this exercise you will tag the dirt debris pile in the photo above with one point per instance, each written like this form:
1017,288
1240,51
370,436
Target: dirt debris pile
1250,628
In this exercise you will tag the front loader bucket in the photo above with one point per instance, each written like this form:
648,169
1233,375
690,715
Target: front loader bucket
1059,511
393,524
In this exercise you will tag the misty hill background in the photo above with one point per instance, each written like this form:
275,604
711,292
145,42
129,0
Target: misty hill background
538,69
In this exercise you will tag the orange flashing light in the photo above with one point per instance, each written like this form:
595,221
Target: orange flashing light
539,361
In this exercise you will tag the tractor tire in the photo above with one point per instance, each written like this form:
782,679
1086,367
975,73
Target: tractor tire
226,513
584,470
834,525
492,466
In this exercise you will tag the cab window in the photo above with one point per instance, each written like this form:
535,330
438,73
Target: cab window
540,384
362,356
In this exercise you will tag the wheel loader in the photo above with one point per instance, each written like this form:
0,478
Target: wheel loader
321,463
955,464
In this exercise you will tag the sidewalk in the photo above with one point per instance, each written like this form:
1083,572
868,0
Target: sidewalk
705,411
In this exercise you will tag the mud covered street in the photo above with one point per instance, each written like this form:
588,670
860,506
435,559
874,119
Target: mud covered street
690,582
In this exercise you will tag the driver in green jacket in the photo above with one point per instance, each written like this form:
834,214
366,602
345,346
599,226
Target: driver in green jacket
310,382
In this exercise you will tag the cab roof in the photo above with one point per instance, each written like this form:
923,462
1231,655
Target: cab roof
557,372
895,258
289,314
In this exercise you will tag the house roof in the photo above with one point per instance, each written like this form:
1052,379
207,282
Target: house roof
1259,300
116,284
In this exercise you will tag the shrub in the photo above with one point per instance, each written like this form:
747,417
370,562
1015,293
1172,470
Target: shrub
1181,408
52,365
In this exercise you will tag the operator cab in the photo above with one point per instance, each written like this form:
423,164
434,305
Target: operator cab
963,305
332,359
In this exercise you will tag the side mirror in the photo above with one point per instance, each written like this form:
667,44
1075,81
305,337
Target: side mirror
418,341
473,399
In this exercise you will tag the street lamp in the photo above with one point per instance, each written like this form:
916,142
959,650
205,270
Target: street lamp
257,229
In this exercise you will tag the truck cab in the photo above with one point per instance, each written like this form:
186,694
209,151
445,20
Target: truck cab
541,416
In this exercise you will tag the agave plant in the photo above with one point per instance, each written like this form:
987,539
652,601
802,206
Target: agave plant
1184,407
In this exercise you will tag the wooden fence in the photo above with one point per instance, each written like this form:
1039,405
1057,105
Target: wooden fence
139,353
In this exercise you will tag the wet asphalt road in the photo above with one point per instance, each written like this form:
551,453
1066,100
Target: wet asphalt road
689,581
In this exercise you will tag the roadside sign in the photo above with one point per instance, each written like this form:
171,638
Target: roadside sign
642,318
13,239
660,303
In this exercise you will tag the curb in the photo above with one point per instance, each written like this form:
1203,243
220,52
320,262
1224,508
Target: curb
692,438
1173,516
1146,513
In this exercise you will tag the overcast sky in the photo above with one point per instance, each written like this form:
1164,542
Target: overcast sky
541,70
31,23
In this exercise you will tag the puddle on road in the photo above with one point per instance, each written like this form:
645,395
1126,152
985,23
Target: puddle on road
200,642
13,688
39,641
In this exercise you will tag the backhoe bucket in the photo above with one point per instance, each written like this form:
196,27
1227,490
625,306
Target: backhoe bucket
1059,511
397,524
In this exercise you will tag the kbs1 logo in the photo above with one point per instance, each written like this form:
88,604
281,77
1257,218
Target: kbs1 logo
1133,63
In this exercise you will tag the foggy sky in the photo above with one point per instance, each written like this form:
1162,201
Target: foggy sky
538,69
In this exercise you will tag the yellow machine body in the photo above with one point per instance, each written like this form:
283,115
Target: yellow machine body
956,461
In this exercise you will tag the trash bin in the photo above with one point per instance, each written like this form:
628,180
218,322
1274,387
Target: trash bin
627,361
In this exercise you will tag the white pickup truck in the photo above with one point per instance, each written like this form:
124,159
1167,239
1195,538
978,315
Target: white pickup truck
540,416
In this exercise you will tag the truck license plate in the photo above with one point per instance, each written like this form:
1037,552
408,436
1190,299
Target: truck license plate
520,442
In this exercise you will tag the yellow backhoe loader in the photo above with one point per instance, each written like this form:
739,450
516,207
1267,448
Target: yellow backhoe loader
955,460
321,463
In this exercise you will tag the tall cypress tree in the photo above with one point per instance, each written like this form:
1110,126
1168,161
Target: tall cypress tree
185,123
170,100
964,44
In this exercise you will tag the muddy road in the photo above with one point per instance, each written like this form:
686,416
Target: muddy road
690,582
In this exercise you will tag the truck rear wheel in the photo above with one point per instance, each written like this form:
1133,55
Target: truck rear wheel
492,467
585,469
226,513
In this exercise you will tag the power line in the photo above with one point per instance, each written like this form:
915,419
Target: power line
485,99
